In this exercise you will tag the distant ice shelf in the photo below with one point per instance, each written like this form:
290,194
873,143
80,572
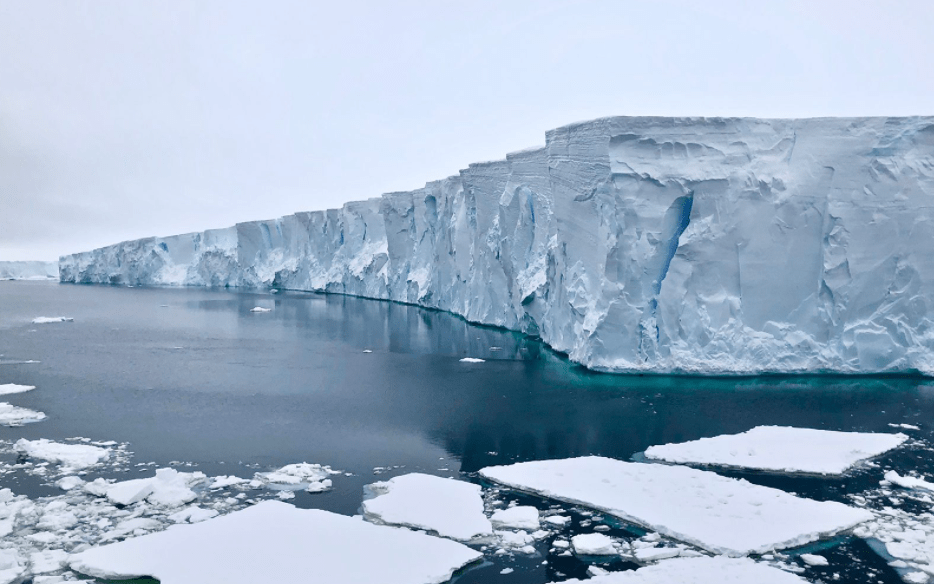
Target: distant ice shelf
29,270
695,245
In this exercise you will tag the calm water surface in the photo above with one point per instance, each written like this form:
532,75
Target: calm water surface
192,375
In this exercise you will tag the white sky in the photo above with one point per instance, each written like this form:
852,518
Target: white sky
123,119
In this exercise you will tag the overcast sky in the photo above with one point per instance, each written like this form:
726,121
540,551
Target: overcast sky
123,119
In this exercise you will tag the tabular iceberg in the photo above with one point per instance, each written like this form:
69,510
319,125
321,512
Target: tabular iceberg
705,245
29,270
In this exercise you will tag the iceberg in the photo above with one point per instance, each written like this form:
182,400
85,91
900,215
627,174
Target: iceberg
276,542
719,514
781,449
632,244
29,270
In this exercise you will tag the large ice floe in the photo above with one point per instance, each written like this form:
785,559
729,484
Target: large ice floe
781,449
718,514
707,245
705,570
72,457
447,507
276,542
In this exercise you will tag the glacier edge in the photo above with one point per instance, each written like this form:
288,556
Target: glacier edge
646,244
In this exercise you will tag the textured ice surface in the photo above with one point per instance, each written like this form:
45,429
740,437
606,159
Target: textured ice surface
698,571
719,514
632,244
28,270
444,506
72,457
11,415
168,488
276,542
10,388
781,449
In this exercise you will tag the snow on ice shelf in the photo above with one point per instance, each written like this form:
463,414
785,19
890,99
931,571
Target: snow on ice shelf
276,542
781,449
699,571
447,507
696,245
719,514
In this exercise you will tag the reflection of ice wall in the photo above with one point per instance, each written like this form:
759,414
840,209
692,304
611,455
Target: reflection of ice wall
632,244
28,270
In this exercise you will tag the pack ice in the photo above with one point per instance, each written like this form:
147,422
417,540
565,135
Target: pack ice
719,514
706,245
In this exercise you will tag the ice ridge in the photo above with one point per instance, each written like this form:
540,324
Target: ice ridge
697,245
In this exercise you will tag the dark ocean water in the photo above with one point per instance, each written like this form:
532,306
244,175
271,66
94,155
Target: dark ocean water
192,375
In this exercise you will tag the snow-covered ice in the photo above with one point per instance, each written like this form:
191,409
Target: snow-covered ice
814,560
447,507
719,514
303,475
907,482
51,319
519,517
10,388
72,457
706,570
781,449
276,542
593,544
11,415
472,360
168,488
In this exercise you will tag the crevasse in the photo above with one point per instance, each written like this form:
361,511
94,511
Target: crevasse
701,245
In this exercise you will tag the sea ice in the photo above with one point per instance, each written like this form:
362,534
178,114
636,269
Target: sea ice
908,482
704,570
11,415
519,517
9,388
168,488
260,309
51,319
472,360
12,566
447,507
276,542
719,514
302,475
72,457
781,449
593,544
814,560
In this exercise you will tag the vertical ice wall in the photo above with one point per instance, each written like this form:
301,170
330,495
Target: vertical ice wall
632,244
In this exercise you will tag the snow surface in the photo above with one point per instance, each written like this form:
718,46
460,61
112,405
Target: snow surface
11,415
276,542
28,271
447,507
719,514
707,245
51,319
781,449
72,457
10,388
704,570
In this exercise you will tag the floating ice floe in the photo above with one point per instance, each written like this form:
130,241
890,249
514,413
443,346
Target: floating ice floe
703,570
593,544
908,482
72,457
447,507
12,566
277,542
781,449
51,319
11,415
293,477
472,360
520,517
169,488
10,388
905,426
814,560
905,540
260,309
719,514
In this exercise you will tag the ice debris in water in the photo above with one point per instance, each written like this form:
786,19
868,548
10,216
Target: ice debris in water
907,482
12,416
72,457
168,488
51,319
260,309
593,544
703,570
719,514
10,388
781,449
277,542
447,507
814,560
311,477
472,360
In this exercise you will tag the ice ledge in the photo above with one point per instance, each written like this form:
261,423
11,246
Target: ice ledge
662,245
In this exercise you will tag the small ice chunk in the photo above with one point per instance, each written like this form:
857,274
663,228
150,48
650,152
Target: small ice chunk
51,319
521,517
12,416
506,571
472,360
702,570
262,543
447,507
169,488
225,481
557,520
908,482
814,560
905,426
303,475
70,482
71,456
10,388
593,544
129,492
260,309
781,449
47,561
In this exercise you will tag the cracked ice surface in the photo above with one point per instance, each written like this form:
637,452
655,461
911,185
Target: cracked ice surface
276,542
781,449
719,514
708,245
698,571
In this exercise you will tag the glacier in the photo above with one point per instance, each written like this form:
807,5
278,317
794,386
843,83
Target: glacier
632,244
28,270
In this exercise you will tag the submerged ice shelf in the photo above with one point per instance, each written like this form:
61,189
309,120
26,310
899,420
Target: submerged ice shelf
706,245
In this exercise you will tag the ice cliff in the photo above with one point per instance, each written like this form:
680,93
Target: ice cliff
29,271
707,245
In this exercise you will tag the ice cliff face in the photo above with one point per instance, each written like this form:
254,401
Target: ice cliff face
633,244
28,270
